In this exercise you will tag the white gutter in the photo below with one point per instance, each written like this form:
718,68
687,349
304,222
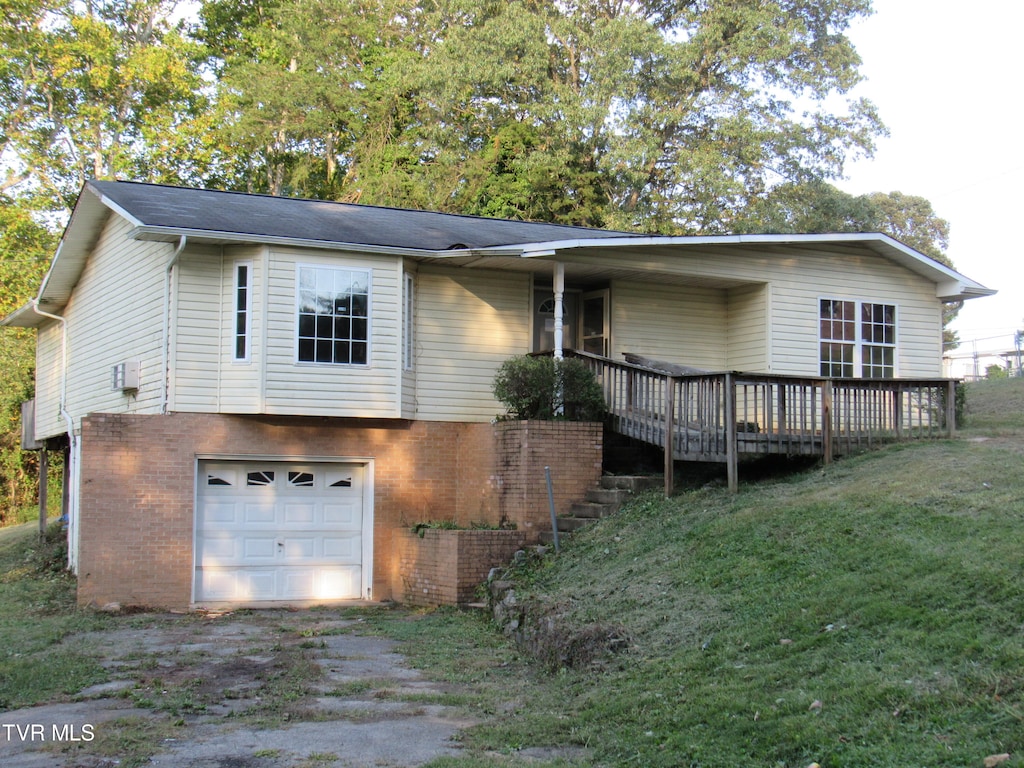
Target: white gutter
152,232
73,470
165,351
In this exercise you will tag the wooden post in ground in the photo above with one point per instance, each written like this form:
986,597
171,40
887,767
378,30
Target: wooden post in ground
44,471
826,421
731,458
670,430
951,407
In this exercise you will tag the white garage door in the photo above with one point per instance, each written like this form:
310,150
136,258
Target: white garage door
279,531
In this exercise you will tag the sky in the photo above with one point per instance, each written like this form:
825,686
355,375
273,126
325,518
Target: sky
946,78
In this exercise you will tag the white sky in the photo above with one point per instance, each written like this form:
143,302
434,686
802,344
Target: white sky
946,77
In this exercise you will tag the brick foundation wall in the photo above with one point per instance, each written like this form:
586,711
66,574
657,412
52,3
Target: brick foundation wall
138,485
445,567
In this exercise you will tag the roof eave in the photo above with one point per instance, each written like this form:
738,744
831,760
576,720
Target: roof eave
172,234
23,317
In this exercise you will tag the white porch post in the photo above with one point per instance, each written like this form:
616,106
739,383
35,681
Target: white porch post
559,285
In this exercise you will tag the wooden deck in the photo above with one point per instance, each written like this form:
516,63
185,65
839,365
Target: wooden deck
721,416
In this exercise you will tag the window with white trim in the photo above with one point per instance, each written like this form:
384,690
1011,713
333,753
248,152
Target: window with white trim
333,315
242,310
857,338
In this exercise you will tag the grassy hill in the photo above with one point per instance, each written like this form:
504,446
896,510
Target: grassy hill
867,614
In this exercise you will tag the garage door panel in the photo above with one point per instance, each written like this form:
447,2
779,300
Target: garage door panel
217,548
278,531
298,548
255,548
224,513
238,585
344,548
261,513
346,515
300,513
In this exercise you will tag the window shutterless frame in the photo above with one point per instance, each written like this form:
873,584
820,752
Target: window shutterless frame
332,315
241,328
856,338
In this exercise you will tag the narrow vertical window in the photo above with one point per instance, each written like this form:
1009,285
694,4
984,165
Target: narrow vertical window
408,324
243,311
878,337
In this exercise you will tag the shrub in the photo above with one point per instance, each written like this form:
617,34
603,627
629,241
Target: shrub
545,388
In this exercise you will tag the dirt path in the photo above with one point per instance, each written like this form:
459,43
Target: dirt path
253,690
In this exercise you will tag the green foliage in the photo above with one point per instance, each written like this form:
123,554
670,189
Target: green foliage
107,89
24,252
544,388
996,371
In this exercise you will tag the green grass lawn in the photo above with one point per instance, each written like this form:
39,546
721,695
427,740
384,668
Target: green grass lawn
37,611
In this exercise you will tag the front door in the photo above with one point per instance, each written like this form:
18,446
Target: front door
594,322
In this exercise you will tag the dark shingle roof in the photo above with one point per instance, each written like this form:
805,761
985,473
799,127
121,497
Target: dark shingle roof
262,216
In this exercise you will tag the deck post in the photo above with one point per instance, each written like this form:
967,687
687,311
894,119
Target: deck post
731,457
951,407
44,472
826,421
670,430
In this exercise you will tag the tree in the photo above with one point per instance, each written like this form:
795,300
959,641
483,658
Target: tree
300,86
668,117
102,90
24,250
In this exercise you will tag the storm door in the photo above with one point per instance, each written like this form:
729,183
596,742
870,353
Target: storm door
594,326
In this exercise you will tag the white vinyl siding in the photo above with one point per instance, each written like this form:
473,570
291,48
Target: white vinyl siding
748,329
310,389
467,323
196,348
49,366
675,323
114,316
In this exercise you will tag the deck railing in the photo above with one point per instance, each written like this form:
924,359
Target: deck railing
718,416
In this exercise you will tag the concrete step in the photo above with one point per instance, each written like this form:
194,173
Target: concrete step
633,483
616,496
570,524
591,510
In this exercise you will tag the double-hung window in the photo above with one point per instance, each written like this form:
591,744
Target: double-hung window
857,338
333,315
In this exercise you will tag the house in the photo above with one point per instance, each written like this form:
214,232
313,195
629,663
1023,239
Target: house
256,393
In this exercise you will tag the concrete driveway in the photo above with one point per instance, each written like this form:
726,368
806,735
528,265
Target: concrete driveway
248,690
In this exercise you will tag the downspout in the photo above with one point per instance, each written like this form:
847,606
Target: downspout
73,472
166,346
